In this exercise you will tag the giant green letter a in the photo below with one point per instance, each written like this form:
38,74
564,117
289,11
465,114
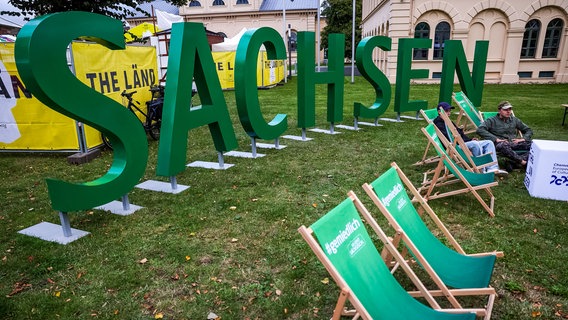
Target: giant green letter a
189,58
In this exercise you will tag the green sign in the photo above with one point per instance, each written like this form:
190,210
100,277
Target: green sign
41,60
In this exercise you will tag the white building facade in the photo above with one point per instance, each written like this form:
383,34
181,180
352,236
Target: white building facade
230,16
528,40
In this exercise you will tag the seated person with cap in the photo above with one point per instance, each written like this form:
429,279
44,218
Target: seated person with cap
502,130
477,147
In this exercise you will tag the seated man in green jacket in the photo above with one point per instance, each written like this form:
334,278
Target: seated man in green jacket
502,130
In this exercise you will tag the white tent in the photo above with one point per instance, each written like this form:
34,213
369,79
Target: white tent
229,44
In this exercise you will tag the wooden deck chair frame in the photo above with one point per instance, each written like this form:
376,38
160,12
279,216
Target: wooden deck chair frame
360,310
412,227
423,206
472,118
429,115
448,172
477,163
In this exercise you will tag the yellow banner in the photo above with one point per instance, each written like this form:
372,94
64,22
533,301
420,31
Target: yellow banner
27,124
268,72
110,72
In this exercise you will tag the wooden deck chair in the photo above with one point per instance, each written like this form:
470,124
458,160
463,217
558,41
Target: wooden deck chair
449,172
390,193
469,118
341,242
476,162
429,115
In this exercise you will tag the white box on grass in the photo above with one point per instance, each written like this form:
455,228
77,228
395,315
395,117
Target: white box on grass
547,170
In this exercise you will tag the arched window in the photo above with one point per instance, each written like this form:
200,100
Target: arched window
422,31
194,3
532,28
218,2
552,38
242,2
442,34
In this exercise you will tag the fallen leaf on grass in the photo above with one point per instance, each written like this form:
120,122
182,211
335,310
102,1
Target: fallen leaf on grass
19,287
143,261
187,258
325,281
159,315
315,205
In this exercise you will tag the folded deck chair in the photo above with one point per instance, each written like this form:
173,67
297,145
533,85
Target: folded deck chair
448,172
429,115
341,242
469,117
475,162
390,193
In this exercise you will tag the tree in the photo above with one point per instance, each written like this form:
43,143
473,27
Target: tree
118,9
339,17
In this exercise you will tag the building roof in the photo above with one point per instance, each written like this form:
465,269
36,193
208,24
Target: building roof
277,5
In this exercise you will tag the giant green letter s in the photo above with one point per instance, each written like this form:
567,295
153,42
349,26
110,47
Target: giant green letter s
41,59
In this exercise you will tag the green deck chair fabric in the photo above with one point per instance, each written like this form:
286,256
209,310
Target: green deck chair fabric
346,243
475,179
468,108
429,114
488,114
455,269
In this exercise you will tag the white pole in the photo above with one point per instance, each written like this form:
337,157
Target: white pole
353,46
284,37
318,48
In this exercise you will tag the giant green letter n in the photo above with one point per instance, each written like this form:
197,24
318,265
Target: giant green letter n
455,60
189,58
41,59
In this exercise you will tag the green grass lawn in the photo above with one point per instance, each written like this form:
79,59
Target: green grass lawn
229,244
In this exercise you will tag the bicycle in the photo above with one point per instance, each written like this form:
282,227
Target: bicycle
153,115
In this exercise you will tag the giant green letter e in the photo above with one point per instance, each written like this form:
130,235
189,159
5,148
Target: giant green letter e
41,59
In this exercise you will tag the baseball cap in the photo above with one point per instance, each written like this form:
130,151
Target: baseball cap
505,105
444,105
